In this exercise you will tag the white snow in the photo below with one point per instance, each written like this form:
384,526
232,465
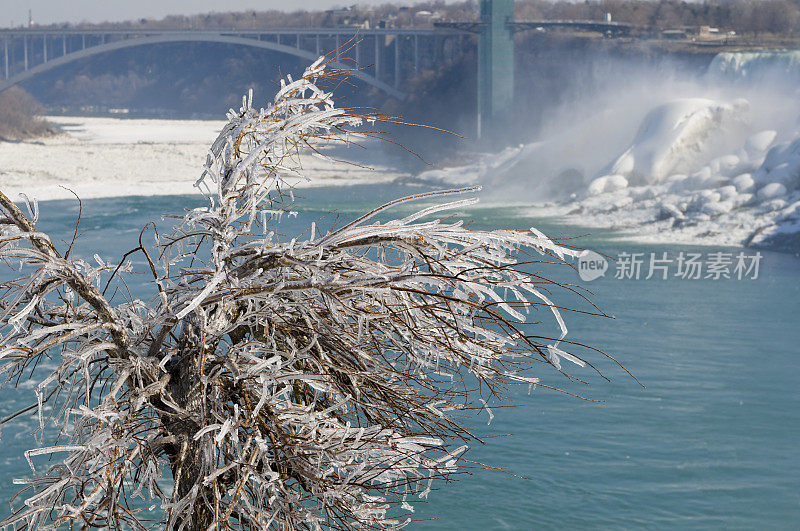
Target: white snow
111,157
675,136
139,131
716,161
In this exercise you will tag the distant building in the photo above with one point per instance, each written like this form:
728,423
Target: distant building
707,32
388,22
341,12
345,16
676,34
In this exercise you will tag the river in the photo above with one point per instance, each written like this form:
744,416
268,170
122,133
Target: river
711,441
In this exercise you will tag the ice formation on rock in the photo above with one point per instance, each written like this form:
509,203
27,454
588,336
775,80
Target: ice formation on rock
721,165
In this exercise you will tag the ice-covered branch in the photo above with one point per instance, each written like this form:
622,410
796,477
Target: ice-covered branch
312,382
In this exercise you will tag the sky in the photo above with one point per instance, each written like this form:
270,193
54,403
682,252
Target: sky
52,11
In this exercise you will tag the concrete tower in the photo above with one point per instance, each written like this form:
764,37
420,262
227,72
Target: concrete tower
495,65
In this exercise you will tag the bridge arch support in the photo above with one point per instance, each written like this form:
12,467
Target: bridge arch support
191,37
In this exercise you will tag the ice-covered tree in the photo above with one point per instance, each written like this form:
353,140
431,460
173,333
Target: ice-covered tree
312,382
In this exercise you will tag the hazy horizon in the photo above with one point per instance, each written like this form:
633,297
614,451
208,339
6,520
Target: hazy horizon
53,12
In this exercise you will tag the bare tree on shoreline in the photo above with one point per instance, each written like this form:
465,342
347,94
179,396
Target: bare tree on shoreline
310,383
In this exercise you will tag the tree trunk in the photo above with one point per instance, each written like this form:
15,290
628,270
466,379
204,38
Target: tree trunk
185,457
186,473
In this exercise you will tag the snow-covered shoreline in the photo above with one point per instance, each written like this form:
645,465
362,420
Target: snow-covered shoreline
691,166
112,157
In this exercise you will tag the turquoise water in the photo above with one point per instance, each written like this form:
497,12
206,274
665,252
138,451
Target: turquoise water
711,442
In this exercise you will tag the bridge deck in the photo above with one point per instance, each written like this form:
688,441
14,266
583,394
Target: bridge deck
386,56
19,32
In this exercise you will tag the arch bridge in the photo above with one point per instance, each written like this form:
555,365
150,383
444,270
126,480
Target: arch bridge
385,57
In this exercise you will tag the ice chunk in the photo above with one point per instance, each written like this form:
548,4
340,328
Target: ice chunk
668,210
625,164
786,173
758,143
744,183
727,192
717,208
724,165
742,199
607,183
643,193
709,196
679,135
772,191
699,180
776,155
774,204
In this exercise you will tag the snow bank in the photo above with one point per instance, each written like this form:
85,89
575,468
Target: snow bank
744,197
560,164
138,131
713,161
487,166
110,157
676,136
